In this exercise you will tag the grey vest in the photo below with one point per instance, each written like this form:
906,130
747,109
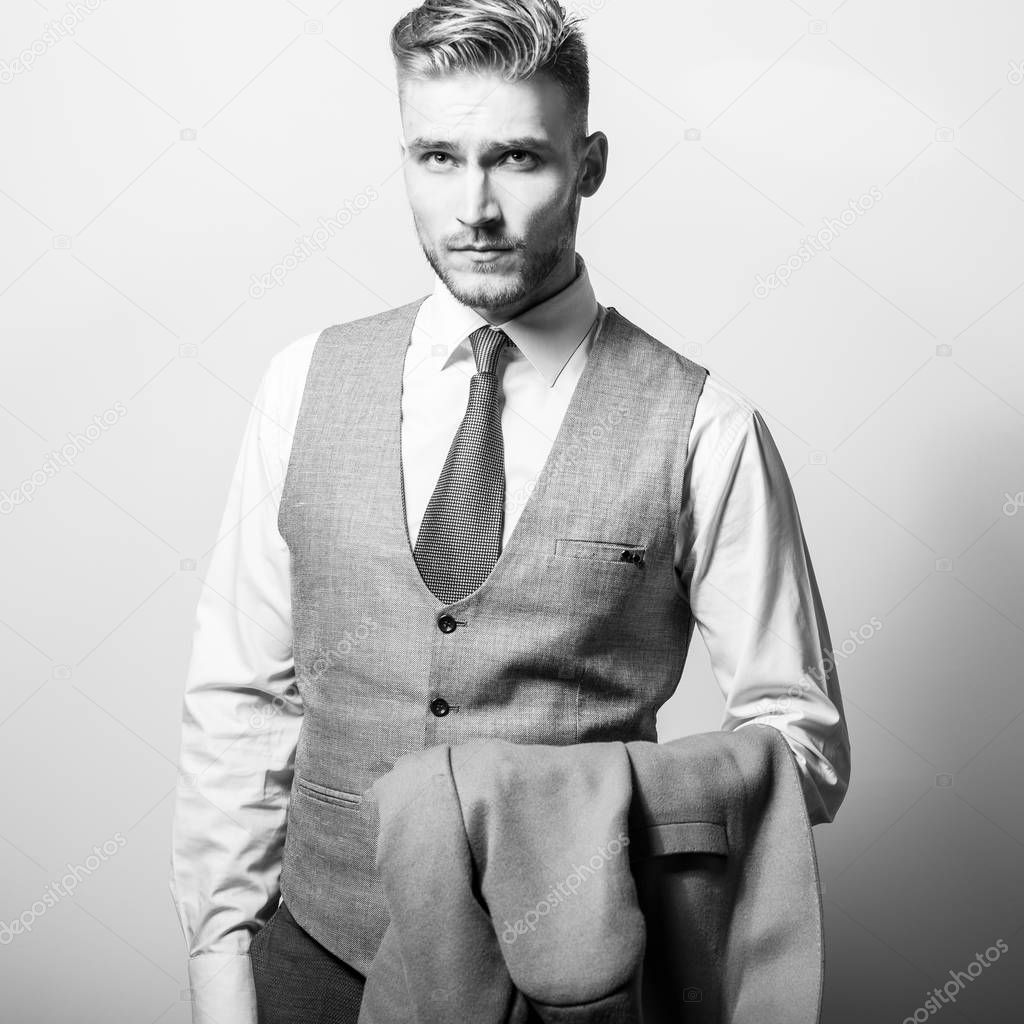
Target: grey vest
579,633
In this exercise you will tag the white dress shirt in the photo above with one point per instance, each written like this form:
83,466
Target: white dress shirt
743,561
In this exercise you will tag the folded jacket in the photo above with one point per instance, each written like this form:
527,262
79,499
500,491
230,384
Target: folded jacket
597,883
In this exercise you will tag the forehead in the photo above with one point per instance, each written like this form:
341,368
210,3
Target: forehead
471,108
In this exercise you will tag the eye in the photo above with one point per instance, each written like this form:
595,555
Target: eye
524,157
429,158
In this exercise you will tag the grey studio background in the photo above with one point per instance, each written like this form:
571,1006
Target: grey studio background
161,164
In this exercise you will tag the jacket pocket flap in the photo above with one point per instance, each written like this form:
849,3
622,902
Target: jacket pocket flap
684,837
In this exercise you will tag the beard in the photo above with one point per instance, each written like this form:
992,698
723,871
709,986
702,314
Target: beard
492,287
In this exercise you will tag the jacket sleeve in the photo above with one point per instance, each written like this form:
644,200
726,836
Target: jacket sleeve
241,716
747,572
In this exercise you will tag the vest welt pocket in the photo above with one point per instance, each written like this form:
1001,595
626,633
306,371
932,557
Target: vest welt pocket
602,550
327,795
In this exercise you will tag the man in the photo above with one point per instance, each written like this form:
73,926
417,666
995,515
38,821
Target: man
495,512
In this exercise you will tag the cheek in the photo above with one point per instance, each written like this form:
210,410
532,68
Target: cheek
430,222
546,214
427,198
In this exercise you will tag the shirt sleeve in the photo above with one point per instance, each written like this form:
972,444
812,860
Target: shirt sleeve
241,716
743,561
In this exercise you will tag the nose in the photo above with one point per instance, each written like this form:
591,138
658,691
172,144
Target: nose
479,204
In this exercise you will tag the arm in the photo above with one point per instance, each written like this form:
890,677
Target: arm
241,717
743,562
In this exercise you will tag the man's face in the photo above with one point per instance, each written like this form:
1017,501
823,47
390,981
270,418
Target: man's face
491,165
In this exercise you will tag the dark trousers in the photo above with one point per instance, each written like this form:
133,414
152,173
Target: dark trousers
298,981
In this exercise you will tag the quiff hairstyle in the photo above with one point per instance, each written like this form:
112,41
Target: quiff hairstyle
515,38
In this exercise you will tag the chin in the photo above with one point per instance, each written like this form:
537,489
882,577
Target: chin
486,286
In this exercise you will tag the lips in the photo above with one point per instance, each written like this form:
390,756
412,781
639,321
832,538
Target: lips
485,255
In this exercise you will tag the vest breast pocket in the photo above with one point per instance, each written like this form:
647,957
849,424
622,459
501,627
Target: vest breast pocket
631,555
597,577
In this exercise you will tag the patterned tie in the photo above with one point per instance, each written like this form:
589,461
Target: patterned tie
460,536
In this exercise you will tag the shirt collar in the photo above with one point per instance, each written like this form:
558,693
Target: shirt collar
547,334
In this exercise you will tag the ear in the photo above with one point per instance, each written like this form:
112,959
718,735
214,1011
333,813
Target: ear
594,163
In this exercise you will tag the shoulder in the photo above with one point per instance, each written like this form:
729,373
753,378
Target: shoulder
288,368
398,317
646,347
722,414
729,432
725,413
724,417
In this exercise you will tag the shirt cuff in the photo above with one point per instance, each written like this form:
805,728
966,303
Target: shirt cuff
222,989
822,788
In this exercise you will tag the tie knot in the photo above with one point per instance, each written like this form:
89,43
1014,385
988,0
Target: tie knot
487,344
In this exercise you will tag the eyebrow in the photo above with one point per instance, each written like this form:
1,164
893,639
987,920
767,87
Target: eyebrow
421,144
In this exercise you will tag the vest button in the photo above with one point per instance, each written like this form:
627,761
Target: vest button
446,624
439,706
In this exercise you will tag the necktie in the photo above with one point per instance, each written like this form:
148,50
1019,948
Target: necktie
460,537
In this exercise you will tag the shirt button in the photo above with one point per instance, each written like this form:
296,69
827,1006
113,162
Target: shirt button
446,624
439,706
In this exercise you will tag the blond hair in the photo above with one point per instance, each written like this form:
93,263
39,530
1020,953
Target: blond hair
515,38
